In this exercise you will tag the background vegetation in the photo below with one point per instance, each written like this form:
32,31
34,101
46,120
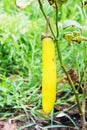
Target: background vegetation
20,56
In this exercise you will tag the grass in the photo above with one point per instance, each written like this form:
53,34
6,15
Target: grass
20,56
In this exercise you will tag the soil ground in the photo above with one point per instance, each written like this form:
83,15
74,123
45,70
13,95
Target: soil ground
14,123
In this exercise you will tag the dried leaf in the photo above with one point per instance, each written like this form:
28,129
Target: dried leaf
21,4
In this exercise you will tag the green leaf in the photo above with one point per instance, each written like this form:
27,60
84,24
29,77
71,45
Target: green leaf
25,126
71,23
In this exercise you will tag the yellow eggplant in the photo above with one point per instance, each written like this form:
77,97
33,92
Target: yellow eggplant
48,75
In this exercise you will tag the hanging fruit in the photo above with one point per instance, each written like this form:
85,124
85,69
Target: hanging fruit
48,73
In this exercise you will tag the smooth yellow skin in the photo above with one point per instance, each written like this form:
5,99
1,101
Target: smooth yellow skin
48,75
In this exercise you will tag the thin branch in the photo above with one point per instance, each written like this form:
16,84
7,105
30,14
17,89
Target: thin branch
83,109
84,91
41,7
57,19
69,78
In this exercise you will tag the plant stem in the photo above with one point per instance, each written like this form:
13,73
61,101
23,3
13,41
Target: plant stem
63,66
56,20
41,7
83,109
84,123
47,25
69,78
